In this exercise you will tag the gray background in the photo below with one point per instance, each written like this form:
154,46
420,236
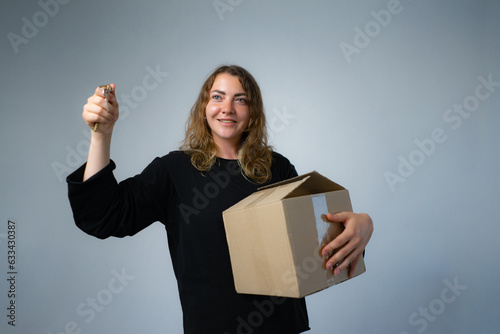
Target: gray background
353,118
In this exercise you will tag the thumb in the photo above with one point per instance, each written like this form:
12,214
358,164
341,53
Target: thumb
112,91
339,216
113,87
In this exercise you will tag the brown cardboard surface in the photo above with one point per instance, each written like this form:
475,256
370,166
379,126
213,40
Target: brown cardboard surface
275,237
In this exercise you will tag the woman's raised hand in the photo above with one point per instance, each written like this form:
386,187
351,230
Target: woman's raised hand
100,113
98,110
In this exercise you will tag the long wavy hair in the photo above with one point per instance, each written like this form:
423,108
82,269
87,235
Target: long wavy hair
254,154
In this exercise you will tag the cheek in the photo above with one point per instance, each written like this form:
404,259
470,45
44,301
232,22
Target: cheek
210,110
210,116
247,117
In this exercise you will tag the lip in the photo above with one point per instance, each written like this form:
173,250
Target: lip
221,121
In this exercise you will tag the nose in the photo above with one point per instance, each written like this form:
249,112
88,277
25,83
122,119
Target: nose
227,106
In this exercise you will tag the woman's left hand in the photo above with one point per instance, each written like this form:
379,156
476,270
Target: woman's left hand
350,244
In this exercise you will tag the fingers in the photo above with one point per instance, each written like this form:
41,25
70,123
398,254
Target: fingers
350,263
347,248
344,257
93,112
101,108
100,92
347,235
354,264
113,86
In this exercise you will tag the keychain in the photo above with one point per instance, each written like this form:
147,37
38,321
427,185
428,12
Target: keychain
106,89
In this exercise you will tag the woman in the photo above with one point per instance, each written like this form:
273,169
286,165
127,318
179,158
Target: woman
225,138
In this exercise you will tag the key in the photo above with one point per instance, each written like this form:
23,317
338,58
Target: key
106,89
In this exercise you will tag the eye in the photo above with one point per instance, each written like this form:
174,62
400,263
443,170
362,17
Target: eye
241,100
216,97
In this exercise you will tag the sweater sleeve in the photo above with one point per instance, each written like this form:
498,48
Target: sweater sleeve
102,207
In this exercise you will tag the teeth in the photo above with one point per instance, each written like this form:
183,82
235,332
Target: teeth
226,121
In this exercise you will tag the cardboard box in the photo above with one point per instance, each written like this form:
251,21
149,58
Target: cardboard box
276,234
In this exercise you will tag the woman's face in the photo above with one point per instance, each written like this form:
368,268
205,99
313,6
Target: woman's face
227,110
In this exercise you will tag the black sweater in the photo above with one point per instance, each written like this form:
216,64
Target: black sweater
190,204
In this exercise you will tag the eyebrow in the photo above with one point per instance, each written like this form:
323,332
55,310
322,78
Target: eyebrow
224,93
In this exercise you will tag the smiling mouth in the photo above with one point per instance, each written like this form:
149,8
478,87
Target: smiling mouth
226,121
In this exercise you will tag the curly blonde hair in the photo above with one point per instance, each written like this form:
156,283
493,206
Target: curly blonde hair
254,154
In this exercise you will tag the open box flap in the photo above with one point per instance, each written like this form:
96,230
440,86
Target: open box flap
313,183
268,195
303,185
